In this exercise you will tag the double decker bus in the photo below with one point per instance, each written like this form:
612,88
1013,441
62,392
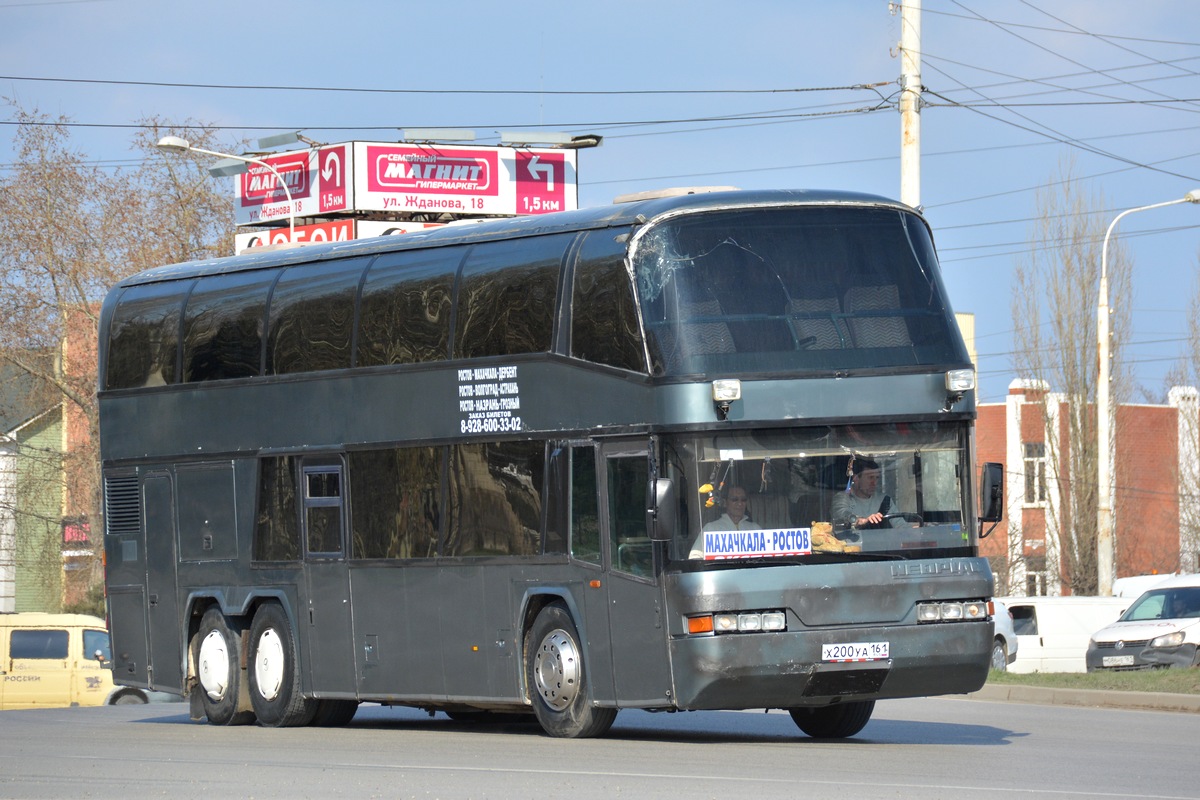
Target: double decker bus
499,468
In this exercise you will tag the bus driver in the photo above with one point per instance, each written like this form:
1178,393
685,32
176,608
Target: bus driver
861,505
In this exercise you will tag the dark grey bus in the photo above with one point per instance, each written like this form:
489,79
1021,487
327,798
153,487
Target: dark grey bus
487,469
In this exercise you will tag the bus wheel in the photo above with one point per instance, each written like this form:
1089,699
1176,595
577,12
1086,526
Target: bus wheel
275,671
219,669
557,682
334,713
833,722
130,699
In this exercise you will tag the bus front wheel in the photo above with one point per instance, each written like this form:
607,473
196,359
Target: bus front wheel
557,681
219,670
275,671
833,722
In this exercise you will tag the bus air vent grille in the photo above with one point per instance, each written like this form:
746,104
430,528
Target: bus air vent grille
121,508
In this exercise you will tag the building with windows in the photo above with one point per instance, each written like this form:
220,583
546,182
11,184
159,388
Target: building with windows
1049,485
31,430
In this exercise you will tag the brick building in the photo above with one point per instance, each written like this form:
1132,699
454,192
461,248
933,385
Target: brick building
1157,523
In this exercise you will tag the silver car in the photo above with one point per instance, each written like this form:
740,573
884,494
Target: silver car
1004,643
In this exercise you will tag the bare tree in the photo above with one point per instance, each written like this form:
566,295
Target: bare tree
1185,376
1053,306
68,232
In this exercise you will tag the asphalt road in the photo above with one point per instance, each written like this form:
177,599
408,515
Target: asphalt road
930,748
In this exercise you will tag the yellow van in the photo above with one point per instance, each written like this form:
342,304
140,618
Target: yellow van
56,660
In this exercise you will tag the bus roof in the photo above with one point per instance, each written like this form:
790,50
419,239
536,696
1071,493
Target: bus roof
616,215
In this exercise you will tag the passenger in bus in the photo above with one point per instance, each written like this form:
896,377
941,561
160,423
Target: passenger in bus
861,505
735,518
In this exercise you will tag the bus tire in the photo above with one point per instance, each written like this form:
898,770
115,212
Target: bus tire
833,722
274,671
334,713
131,698
219,670
557,681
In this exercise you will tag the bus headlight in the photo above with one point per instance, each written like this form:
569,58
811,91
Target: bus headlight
738,622
952,611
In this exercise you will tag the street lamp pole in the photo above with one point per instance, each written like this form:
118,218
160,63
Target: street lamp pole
174,144
1105,546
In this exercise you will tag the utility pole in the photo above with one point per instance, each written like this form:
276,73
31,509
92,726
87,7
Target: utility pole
910,103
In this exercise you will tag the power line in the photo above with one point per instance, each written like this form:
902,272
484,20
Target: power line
538,125
1056,53
1102,36
376,90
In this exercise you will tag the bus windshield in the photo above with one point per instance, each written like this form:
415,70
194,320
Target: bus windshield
817,288
895,490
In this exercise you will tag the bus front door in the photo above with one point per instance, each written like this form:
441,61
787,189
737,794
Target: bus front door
640,667
327,619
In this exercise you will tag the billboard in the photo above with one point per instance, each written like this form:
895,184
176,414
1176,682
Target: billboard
352,177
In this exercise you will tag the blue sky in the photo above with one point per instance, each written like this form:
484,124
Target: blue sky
1111,84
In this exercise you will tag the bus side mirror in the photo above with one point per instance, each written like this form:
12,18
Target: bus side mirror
660,517
991,494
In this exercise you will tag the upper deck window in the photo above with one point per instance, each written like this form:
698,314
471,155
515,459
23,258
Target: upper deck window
808,288
144,336
405,309
506,297
312,317
223,327
604,320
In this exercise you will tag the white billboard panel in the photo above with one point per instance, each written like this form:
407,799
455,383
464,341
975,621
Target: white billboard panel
463,180
406,178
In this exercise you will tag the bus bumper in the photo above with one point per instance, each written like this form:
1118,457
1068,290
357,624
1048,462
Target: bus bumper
785,670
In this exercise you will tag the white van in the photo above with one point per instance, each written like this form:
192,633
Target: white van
1053,632
1160,629
57,660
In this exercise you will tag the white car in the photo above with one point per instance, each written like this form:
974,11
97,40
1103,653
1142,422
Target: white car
1004,643
1161,629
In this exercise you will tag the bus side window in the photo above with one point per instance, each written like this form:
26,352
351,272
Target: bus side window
143,346
495,499
506,297
277,531
223,327
395,502
628,477
323,510
604,316
585,517
311,317
404,314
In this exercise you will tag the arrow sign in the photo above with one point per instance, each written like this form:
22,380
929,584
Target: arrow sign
333,166
547,171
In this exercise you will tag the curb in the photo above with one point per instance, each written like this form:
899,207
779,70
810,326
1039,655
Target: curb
1094,698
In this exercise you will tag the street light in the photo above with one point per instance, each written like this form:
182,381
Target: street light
1105,551
174,144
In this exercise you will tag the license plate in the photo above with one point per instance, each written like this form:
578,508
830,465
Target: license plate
1117,661
855,651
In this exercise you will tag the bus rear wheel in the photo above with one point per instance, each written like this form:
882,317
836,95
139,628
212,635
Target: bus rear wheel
218,659
275,671
558,687
334,713
833,722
